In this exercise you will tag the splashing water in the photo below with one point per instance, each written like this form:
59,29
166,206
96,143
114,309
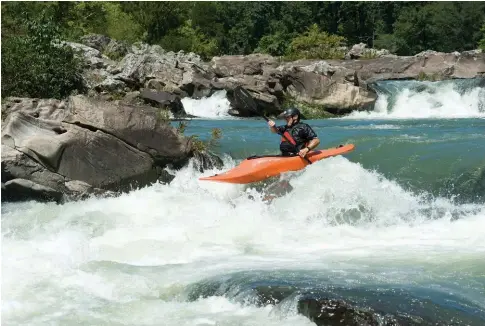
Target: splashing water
215,106
131,257
414,99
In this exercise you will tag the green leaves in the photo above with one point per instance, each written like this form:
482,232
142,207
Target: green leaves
274,44
316,44
481,44
439,26
34,63
190,39
38,65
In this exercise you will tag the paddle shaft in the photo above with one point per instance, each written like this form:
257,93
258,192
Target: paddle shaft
248,100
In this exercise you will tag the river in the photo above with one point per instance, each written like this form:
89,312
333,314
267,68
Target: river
396,226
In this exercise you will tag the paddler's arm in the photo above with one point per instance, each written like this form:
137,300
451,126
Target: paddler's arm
311,145
272,126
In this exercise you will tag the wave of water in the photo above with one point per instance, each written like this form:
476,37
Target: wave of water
421,99
215,106
134,258
396,100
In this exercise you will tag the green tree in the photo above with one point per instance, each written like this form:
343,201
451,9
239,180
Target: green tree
274,44
413,31
316,44
120,25
77,19
481,44
190,39
440,26
37,64
157,18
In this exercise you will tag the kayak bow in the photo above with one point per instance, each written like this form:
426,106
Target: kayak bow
258,168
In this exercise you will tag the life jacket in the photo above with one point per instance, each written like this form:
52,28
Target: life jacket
289,138
289,144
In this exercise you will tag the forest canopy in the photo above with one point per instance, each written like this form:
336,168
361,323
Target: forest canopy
296,29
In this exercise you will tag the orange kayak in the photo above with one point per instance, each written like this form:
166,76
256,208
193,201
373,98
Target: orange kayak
257,168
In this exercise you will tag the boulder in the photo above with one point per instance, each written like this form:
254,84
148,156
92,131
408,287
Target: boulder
139,126
332,89
50,109
339,85
34,182
96,41
111,48
56,150
77,153
18,165
233,65
338,312
22,190
93,59
165,101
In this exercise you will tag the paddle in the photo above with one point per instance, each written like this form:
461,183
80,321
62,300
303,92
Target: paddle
243,97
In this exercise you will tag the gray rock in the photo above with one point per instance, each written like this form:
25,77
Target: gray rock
22,190
141,127
166,101
50,109
341,84
96,41
107,162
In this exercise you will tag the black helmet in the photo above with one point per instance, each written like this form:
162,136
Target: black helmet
290,113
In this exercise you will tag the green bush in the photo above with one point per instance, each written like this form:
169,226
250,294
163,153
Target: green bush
316,44
37,64
273,44
190,39
481,44
199,145
120,25
389,42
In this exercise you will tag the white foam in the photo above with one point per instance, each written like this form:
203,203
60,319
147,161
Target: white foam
442,101
215,106
60,259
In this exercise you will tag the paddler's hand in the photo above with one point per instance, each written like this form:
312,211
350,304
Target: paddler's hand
271,123
303,152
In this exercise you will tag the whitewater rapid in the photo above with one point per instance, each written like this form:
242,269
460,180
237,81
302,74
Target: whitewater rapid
142,250
215,106
424,100
142,258
449,99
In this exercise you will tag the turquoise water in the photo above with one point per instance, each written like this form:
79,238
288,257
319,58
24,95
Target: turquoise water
444,157
396,226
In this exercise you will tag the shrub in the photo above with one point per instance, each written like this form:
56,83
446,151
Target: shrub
481,44
316,44
190,39
38,64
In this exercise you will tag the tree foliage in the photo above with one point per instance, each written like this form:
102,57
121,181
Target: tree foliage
36,63
190,39
316,44
295,29
243,27
482,41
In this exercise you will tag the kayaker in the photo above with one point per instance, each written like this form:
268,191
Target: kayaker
301,136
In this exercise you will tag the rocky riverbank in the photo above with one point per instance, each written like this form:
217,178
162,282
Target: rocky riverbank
118,137
66,150
320,87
